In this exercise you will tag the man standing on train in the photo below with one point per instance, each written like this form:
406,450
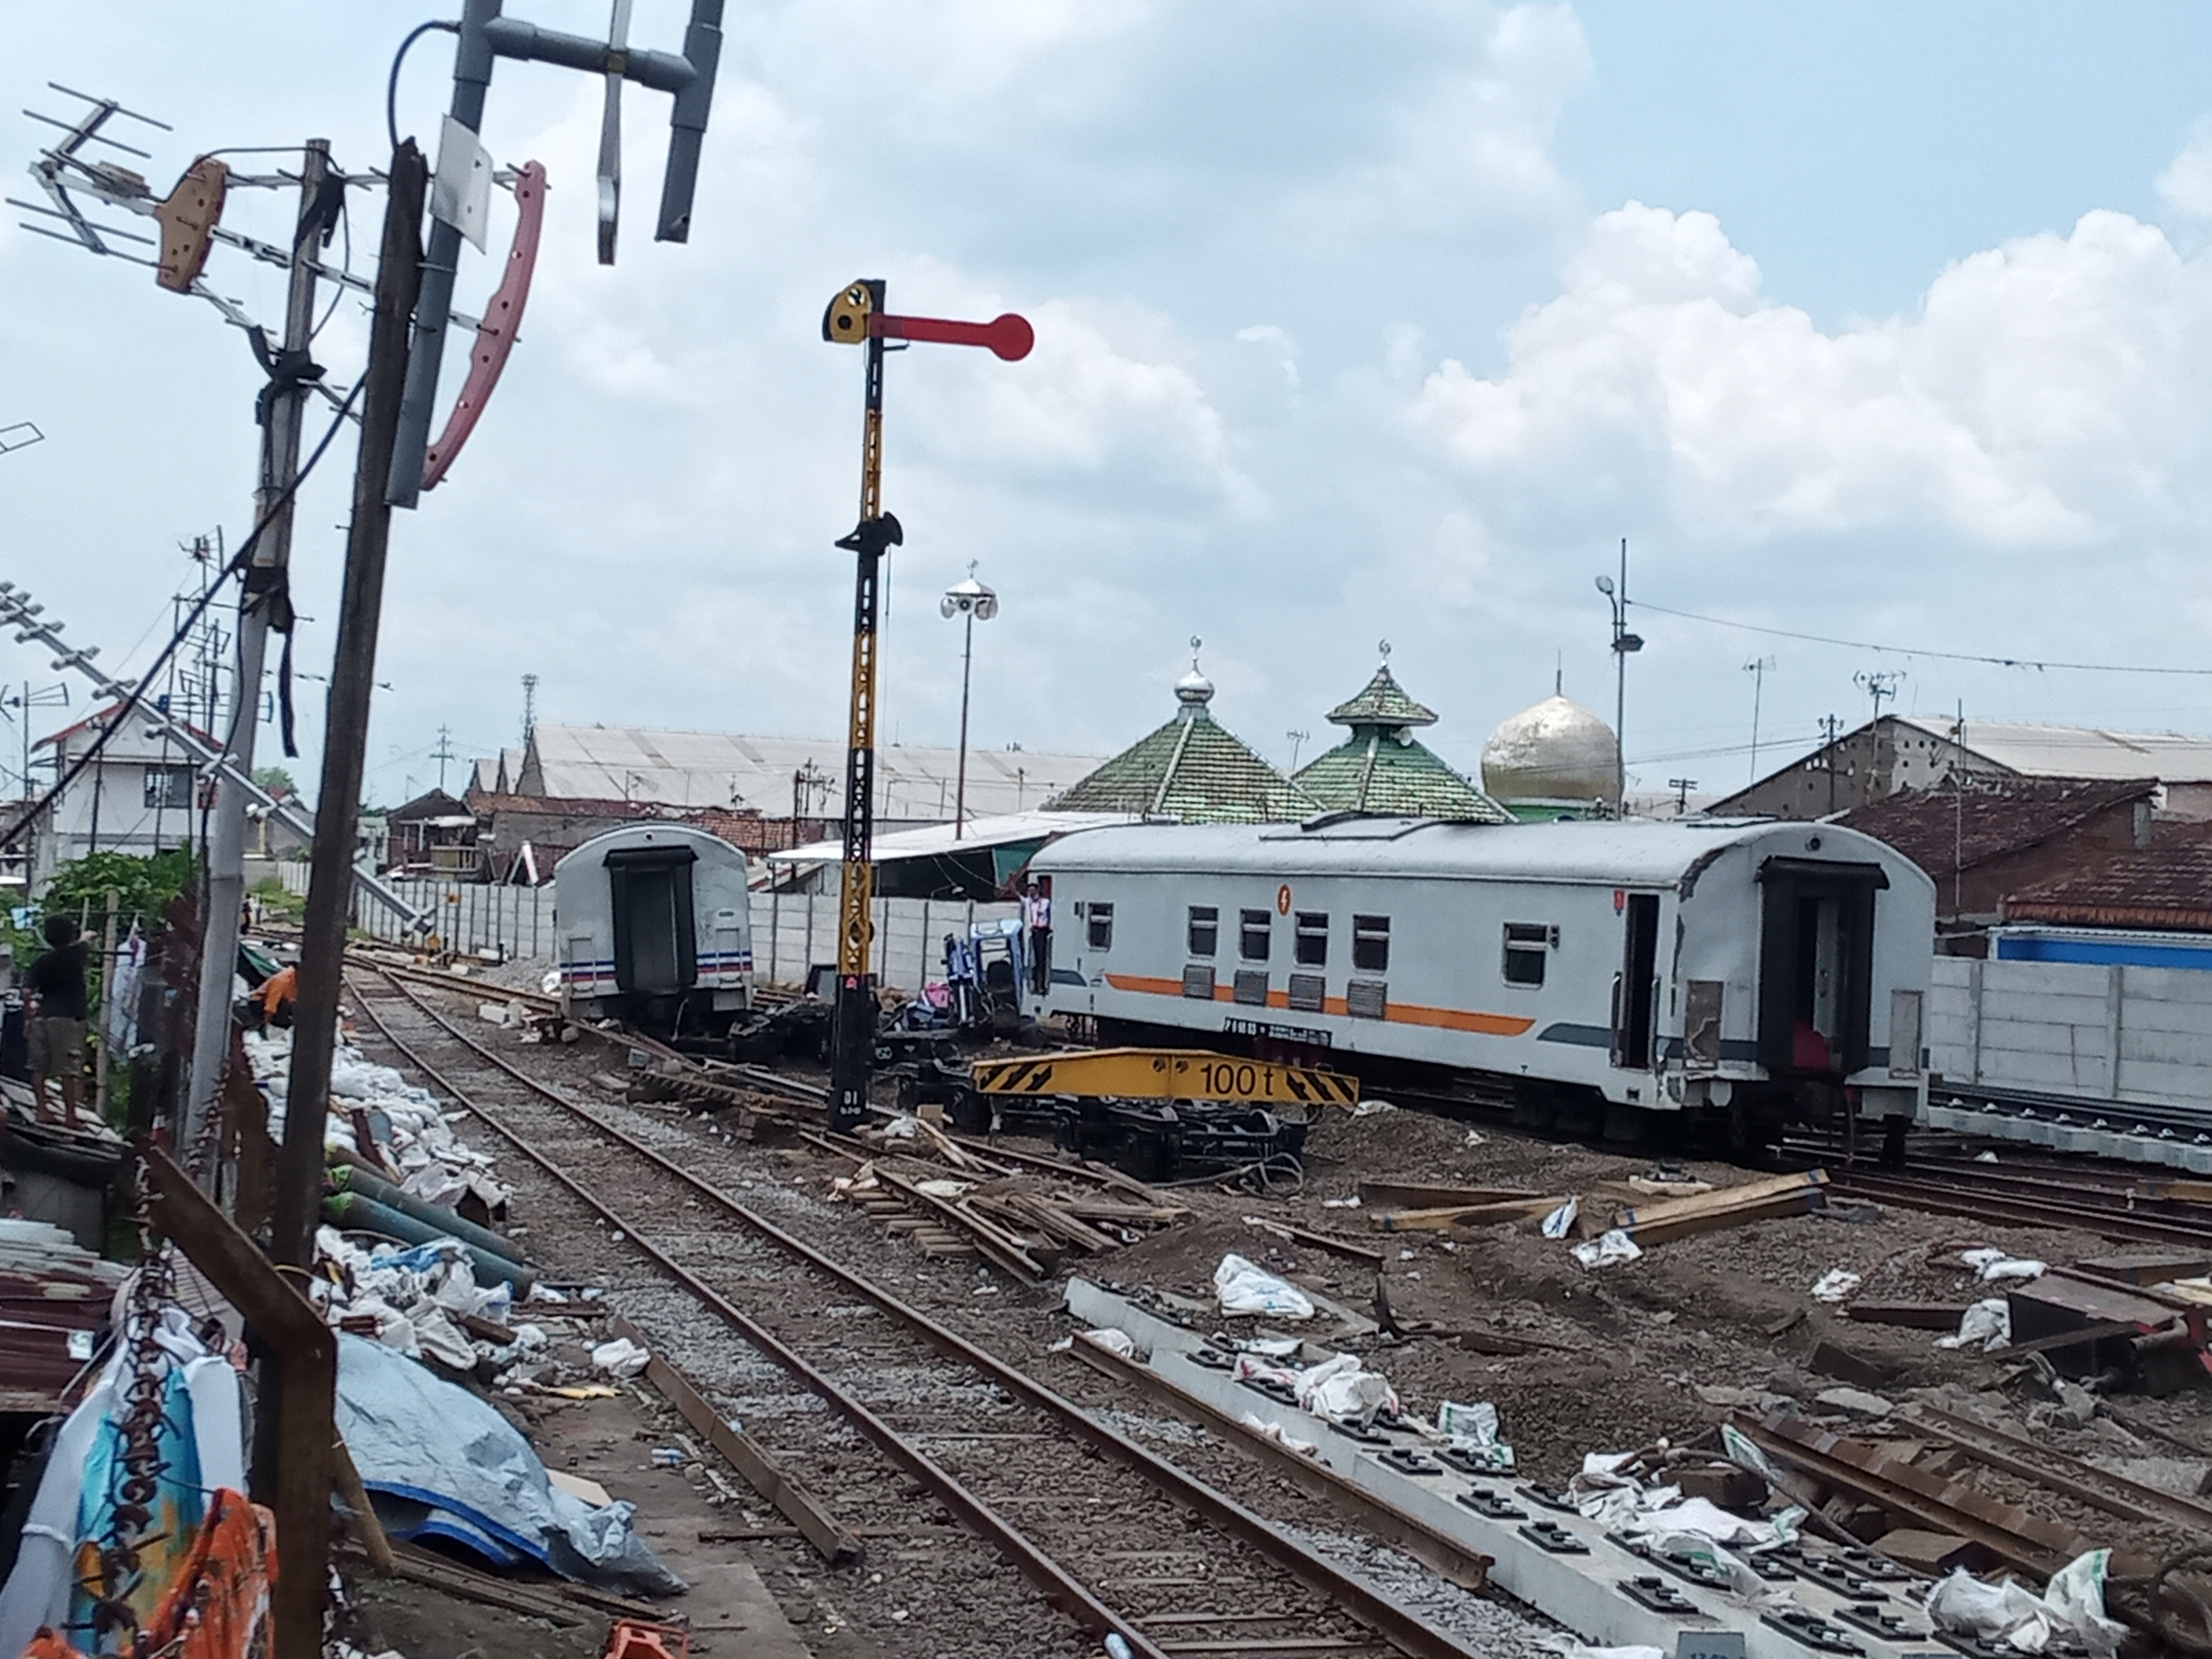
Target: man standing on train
1036,916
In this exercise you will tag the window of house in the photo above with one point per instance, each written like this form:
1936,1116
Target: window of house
1098,925
1310,946
168,786
1370,944
1205,929
1526,945
1256,928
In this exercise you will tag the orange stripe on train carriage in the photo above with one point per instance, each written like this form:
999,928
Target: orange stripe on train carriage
1402,1013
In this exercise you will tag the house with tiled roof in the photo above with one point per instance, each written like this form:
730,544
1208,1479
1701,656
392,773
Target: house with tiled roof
1191,770
1984,838
1381,767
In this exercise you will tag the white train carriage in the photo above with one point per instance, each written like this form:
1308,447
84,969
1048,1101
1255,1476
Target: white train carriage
1760,967
654,927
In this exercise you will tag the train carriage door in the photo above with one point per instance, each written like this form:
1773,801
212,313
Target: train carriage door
1815,963
656,945
1633,990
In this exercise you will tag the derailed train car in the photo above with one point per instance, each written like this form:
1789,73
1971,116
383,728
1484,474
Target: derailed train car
1753,972
655,928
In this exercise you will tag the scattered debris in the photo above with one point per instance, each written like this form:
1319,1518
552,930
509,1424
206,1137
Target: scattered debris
1244,1288
1835,1285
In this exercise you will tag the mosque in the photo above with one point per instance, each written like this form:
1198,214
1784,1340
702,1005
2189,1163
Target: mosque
1552,759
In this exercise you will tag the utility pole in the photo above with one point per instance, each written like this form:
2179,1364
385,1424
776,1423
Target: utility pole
1829,726
857,317
443,753
263,603
1756,668
23,701
345,742
1681,786
1624,643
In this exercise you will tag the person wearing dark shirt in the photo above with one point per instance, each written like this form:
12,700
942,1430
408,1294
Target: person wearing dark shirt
55,1028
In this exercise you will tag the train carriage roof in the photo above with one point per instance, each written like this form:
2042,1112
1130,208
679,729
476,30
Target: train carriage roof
1638,851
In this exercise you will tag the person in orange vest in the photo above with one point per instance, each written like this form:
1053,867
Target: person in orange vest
278,992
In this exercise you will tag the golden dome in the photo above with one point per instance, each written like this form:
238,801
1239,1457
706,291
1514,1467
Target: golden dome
1556,752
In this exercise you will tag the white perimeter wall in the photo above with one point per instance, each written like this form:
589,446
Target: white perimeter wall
2141,1035
789,930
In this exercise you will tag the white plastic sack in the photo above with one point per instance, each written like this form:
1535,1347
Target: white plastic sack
1246,1288
1472,1433
1344,1391
620,1357
2075,1597
2009,1611
1987,1323
1996,1266
1274,1432
1835,1285
1611,1246
1113,1341
1558,1224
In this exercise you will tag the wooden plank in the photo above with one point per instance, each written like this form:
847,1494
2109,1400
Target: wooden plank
1465,1215
762,1473
1721,1199
1366,1254
1017,1255
1399,1195
1736,1215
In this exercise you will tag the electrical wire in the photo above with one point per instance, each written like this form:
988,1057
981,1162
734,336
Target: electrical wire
391,86
238,562
1914,651
345,268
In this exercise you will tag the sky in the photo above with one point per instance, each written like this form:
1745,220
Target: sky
1888,325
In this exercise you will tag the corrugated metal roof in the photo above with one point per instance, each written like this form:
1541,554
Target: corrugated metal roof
1379,772
937,840
1620,852
1192,770
716,769
2077,751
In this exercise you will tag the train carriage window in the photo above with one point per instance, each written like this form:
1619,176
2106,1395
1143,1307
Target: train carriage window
1310,946
1098,922
1205,929
1370,944
1255,931
1526,945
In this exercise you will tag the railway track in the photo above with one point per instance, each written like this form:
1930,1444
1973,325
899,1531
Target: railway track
2116,1203
1170,1564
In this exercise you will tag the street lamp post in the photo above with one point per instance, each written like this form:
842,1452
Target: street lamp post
974,602
1623,643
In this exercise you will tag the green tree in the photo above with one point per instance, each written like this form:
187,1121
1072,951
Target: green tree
276,780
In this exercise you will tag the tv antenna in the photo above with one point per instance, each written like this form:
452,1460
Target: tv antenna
1879,685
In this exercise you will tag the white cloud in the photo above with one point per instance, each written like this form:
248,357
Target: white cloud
2186,185
2045,395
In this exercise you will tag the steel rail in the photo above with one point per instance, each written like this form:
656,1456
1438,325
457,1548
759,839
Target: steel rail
1367,1606
1061,1588
1961,1199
